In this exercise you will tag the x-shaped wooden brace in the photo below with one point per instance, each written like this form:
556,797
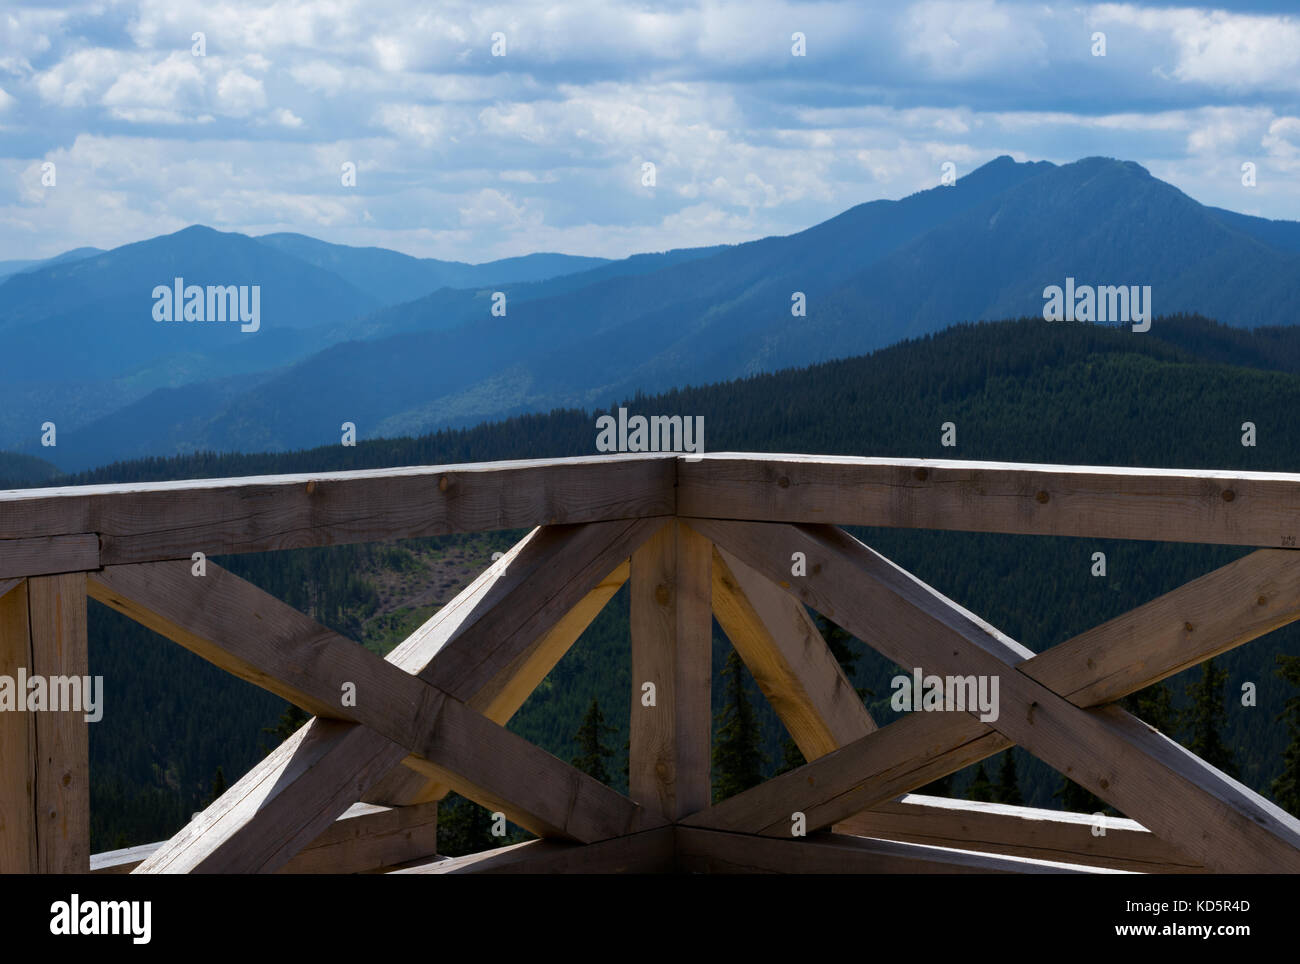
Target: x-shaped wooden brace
1050,704
436,703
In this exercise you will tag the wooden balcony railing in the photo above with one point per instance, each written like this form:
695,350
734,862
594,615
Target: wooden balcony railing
355,789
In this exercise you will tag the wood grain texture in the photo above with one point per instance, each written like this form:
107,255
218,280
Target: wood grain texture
648,852
282,804
156,521
788,657
719,852
250,633
1218,611
57,614
1020,831
17,742
496,641
365,838
42,555
510,604
1142,646
1168,505
672,636
884,764
1213,819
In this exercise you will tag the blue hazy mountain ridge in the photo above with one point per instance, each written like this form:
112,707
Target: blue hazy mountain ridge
391,277
875,274
81,341
587,337
8,268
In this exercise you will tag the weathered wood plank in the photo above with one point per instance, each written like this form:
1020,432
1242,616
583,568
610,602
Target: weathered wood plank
17,742
788,657
259,638
672,637
365,838
172,520
256,826
648,852
1168,505
496,641
45,555
1218,611
884,764
11,583
1021,832
719,852
514,597
57,612
1213,819
1143,646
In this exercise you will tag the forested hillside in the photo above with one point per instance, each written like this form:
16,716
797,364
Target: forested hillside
1017,391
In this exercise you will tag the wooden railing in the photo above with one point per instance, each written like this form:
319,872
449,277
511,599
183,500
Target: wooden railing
696,537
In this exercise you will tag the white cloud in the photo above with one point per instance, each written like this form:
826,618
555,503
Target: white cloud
239,95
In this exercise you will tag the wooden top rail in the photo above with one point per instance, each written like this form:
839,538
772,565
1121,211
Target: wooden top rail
694,538
81,528
151,522
1164,505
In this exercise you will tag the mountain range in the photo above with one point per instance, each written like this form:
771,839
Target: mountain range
401,346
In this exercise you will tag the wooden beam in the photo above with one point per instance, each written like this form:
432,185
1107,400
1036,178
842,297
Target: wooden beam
11,583
648,852
252,634
43,555
672,652
1226,608
789,659
258,825
1167,505
1213,819
719,852
17,742
528,671
517,596
365,838
61,788
496,641
146,522
1218,611
1021,832
908,753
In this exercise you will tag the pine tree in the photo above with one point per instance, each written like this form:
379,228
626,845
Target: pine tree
1153,706
837,640
290,721
1077,799
1206,717
737,757
1008,787
980,788
592,750
464,827
791,757
218,786
938,788
1286,788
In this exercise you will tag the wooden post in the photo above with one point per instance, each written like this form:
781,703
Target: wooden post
57,610
45,756
17,822
672,634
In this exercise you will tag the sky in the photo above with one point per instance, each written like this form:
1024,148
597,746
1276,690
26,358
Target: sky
468,155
